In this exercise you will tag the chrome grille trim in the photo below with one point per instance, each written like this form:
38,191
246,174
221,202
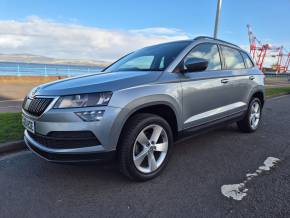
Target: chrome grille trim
37,105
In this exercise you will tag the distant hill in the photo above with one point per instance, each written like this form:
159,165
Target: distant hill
29,58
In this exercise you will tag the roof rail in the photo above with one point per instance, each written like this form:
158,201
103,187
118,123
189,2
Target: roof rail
208,37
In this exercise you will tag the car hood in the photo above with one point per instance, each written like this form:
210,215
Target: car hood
98,82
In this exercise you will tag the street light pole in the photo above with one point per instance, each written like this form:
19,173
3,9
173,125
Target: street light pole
217,18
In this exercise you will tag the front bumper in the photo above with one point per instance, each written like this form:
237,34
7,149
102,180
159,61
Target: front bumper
106,131
91,153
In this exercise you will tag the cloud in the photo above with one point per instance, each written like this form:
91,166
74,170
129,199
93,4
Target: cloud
44,37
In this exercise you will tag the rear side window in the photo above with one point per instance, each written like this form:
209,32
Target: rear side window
209,52
233,58
248,61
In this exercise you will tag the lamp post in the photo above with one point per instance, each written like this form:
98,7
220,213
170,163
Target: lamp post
217,18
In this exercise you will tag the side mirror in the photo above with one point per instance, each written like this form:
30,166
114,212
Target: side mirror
195,65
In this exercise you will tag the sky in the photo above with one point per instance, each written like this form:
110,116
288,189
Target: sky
106,30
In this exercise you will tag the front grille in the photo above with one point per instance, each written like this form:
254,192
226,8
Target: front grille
66,140
36,106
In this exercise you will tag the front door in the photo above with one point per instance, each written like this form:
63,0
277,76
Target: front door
206,94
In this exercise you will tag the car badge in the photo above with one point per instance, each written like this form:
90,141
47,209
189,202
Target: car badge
33,92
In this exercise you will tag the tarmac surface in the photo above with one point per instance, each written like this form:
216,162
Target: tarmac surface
10,105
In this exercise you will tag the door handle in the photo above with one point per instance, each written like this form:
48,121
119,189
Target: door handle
251,77
224,81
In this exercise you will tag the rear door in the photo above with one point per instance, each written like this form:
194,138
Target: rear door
206,94
239,82
251,74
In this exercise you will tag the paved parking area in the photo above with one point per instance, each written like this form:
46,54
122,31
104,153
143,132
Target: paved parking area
10,105
277,82
189,187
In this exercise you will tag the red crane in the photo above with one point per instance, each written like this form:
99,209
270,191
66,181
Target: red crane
278,67
287,63
259,52
279,62
282,66
261,55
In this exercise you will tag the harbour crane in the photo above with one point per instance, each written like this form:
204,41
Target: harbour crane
259,51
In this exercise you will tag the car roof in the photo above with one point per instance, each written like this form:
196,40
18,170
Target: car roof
216,40
208,38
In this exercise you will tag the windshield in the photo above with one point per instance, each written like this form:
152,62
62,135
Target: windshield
153,58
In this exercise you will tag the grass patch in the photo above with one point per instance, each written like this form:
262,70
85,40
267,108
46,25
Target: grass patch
10,127
270,92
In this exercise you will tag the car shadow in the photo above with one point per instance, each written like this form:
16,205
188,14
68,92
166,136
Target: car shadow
103,171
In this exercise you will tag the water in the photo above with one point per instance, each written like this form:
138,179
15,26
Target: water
28,69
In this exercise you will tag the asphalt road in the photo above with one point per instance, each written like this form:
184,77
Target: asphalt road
189,187
10,105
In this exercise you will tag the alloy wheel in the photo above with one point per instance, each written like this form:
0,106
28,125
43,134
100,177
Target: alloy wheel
150,148
255,115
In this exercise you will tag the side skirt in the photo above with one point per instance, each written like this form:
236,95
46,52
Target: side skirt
209,126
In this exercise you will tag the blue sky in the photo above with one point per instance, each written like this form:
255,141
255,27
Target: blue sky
269,19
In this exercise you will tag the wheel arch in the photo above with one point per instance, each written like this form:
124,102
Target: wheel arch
260,95
160,108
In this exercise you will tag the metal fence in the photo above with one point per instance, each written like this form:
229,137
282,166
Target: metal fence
284,76
45,70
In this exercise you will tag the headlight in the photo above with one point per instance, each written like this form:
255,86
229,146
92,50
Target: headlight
84,100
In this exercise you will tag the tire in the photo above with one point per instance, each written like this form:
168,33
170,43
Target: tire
135,151
247,124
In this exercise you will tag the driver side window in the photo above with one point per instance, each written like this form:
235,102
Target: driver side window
209,52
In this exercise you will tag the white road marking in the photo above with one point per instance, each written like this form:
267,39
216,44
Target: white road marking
234,191
239,191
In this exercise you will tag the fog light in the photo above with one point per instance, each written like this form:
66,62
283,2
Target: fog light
90,116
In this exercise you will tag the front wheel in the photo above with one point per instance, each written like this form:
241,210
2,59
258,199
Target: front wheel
145,146
251,121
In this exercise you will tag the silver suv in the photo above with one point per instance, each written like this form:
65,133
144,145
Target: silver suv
137,107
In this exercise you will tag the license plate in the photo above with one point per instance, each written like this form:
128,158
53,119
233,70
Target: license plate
28,124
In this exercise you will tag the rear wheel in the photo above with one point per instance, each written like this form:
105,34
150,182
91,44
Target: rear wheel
251,121
144,147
